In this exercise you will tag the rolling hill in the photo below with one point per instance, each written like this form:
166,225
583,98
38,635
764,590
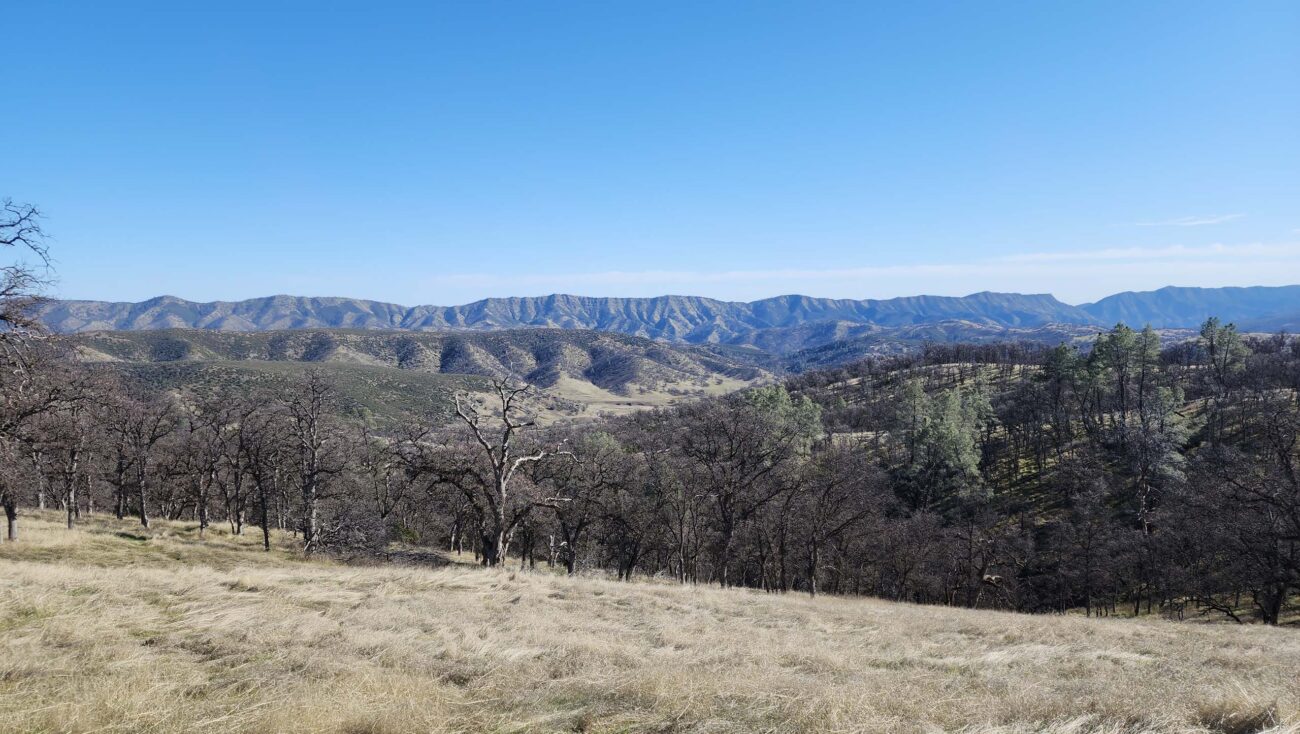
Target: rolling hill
391,374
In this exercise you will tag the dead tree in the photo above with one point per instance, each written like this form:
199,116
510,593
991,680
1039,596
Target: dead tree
23,392
308,407
21,282
495,436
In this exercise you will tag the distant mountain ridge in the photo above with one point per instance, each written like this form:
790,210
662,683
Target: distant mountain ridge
781,324
689,319
1256,308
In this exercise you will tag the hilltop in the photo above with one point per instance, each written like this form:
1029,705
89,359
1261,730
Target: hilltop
112,628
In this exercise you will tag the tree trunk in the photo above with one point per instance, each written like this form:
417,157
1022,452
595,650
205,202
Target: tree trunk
201,511
492,544
71,504
724,557
309,516
1271,605
814,558
266,522
144,507
11,517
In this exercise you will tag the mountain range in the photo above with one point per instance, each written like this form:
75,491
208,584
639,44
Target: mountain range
781,325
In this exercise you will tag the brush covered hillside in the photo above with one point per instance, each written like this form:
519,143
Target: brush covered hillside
116,629
1254,309
778,325
860,343
389,374
690,319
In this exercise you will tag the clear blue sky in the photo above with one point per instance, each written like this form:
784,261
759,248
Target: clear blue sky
443,152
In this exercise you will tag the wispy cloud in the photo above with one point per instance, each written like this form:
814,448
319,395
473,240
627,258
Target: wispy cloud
1191,221
1075,275
637,277
1172,252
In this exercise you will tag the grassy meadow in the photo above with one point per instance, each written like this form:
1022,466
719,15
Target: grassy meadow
110,628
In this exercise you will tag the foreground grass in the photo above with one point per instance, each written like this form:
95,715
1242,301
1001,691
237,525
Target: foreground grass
108,629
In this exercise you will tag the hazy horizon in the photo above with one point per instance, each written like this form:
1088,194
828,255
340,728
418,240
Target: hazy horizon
655,295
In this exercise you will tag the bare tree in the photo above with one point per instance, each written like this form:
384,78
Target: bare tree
495,433
308,407
21,282
265,449
37,392
738,449
839,489
25,392
578,488
136,424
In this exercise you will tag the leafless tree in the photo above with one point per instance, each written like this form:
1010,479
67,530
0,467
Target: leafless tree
25,389
309,406
21,282
495,429
137,424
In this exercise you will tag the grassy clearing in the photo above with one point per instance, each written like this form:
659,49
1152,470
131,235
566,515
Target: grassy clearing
595,400
108,629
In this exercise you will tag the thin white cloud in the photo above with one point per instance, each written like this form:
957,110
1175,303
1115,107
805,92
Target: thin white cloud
625,277
1191,221
1073,276
1172,252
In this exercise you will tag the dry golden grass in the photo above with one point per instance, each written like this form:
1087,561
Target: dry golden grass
106,633
598,401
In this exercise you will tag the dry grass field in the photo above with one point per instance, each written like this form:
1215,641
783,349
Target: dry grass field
110,629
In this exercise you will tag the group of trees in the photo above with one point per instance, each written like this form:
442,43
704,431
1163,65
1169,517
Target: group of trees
1125,475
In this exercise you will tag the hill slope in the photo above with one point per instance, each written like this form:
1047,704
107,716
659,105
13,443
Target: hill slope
781,325
1255,309
111,628
674,318
392,373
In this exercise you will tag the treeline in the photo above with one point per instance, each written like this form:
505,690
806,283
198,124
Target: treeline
1122,478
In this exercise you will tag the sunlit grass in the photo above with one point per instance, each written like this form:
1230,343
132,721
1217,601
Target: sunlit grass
109,629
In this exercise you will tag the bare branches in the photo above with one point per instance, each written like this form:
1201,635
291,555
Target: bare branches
499,511
21,283
20,226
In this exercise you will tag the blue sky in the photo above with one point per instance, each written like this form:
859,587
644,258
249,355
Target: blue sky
440,153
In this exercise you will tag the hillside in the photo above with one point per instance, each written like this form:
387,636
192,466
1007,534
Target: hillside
879,343
390,374
779,326
1255,309
673,318
109,628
